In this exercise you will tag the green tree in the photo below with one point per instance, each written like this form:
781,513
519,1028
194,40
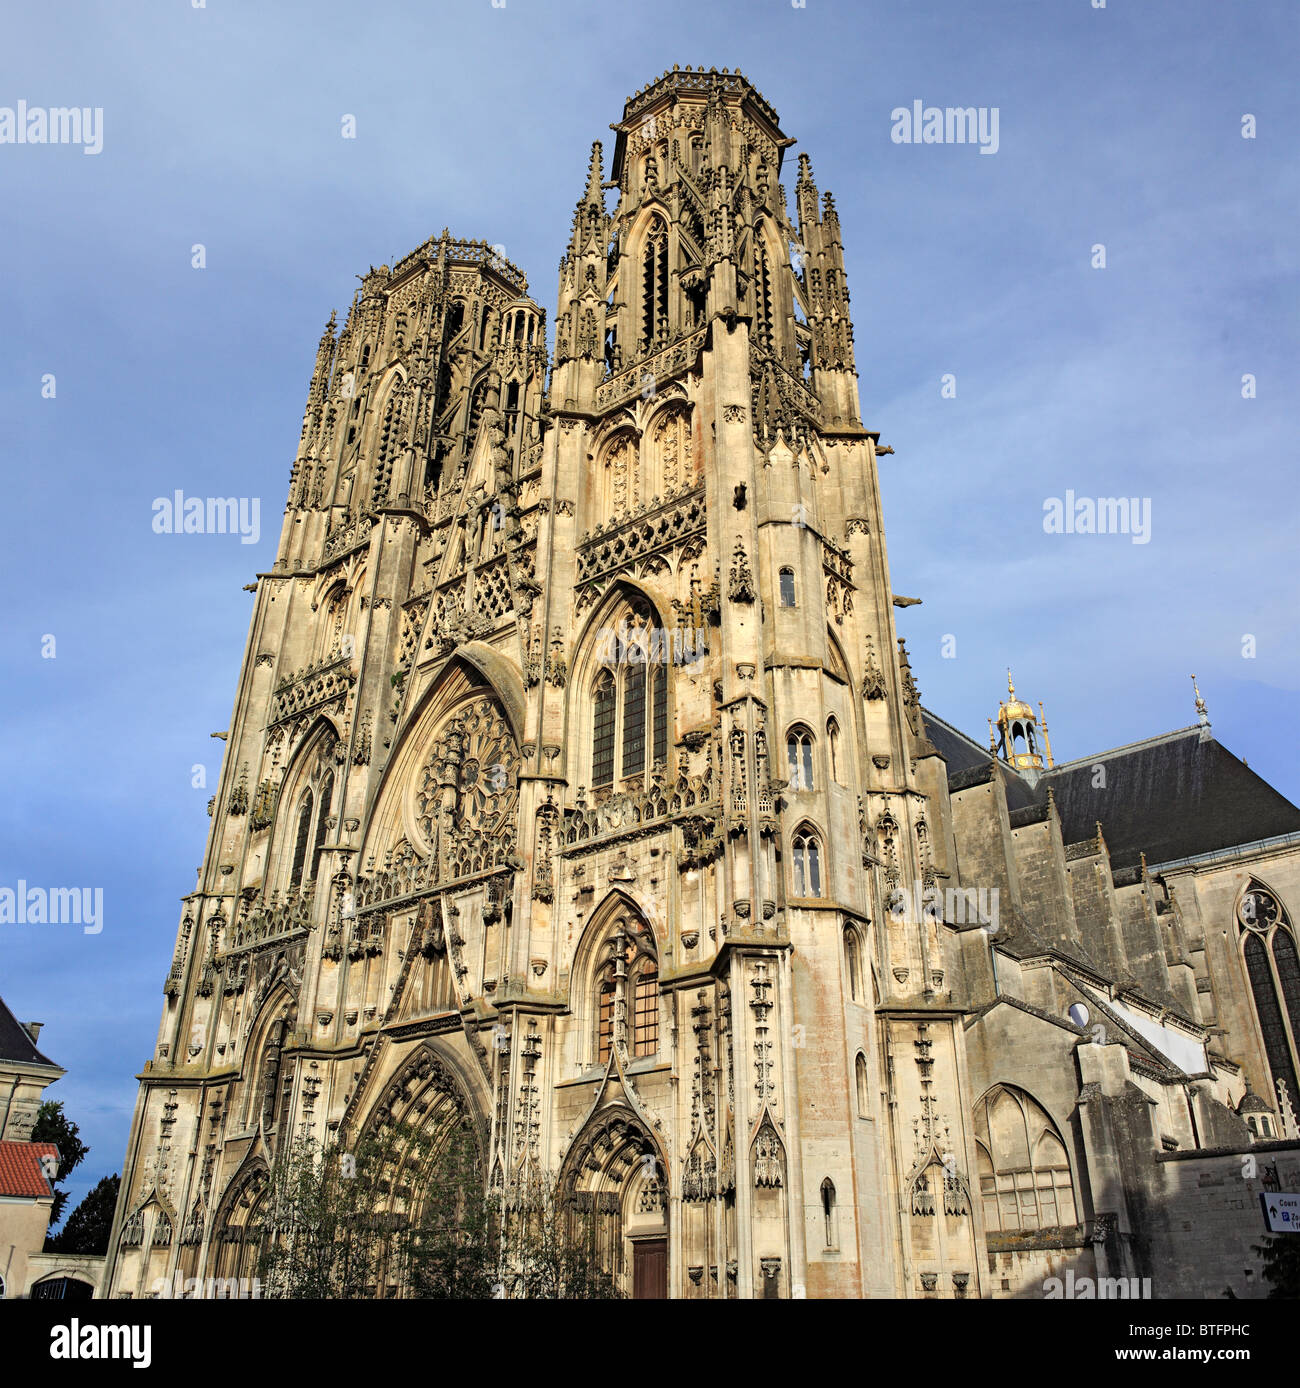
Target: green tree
319,1228
404,1213
450,1248
53,1125
1281,1266
551,1252
89,1224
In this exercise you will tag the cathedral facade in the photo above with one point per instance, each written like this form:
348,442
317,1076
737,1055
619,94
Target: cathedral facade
577,785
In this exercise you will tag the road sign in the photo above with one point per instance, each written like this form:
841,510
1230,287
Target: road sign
1281,1212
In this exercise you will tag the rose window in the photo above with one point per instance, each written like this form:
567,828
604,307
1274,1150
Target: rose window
475,753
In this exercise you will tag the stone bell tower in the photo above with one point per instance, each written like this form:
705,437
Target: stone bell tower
397,397
822,1018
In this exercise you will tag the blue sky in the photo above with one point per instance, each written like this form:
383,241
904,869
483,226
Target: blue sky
1120,126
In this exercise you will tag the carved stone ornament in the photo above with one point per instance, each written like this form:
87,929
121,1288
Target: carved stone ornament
741,588
873,681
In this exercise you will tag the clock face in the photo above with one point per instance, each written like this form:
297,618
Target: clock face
1258,910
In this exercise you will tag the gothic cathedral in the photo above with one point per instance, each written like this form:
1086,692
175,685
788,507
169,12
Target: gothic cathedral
577,786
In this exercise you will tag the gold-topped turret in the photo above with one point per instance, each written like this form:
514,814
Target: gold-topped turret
1012,708
1018,733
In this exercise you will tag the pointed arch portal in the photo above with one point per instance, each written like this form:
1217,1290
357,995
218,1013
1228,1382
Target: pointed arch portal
614,1179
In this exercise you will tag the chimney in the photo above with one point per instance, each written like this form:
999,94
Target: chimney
33,1029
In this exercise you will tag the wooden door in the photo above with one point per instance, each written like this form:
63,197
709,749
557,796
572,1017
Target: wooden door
650,1270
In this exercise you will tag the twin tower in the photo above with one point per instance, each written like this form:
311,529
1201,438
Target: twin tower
574,761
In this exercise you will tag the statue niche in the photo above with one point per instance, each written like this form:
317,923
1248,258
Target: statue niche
674,465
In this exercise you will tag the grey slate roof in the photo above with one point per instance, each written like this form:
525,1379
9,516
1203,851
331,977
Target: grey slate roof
15,1042
968,763
1170,797
961,753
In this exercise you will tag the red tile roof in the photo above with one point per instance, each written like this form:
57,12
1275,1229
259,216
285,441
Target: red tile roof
20,1168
